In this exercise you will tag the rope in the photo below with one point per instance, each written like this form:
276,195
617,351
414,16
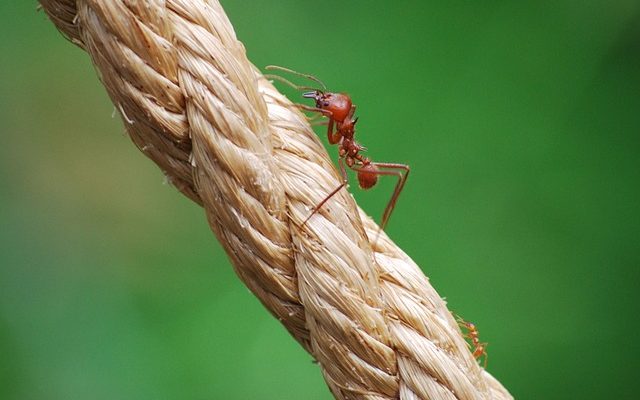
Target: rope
228,140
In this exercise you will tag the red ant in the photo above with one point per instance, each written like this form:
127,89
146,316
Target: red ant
340,110
479,348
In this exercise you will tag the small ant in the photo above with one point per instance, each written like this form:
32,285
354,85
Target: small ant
340,110
479,348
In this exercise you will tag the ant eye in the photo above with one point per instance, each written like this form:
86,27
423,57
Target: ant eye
325,104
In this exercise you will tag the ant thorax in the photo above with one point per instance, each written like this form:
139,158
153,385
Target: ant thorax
347,129
349,147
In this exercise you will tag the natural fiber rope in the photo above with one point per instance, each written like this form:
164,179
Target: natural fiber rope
194,104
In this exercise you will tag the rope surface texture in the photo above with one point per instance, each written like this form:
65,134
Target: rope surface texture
228,140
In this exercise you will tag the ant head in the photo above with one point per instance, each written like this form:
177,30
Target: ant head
339,104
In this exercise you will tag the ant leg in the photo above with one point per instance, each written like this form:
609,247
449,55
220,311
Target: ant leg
333,136
318,123
321,113
402,179
305,107
318,206
324,113
484,353
308,76
315,120
351,112
314,117
461,322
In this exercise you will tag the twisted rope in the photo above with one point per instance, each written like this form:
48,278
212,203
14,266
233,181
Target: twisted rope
228,140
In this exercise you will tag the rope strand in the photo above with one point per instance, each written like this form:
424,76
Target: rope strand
227,139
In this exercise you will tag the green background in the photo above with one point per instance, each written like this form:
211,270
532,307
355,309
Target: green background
521,121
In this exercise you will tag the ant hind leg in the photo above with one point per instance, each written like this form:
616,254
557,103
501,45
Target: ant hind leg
395,170
485,354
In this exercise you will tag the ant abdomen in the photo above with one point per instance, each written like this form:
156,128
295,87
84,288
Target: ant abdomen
368,176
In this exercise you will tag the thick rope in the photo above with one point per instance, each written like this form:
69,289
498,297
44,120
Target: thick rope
194,104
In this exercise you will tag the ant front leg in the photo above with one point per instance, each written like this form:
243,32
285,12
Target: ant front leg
318,206
314,118
318,123
305,107
333,136
320,111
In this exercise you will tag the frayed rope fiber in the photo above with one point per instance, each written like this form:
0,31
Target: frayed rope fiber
228,140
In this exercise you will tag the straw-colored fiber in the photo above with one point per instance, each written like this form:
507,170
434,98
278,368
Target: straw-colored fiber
227,139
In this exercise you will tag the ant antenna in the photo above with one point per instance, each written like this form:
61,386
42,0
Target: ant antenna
308,76
291,84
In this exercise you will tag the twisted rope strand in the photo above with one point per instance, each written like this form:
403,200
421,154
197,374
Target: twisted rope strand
194,104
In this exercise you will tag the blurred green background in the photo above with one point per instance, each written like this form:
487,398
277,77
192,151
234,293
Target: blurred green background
521,121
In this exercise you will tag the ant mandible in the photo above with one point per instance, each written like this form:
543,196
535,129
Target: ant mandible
340,110
479,348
